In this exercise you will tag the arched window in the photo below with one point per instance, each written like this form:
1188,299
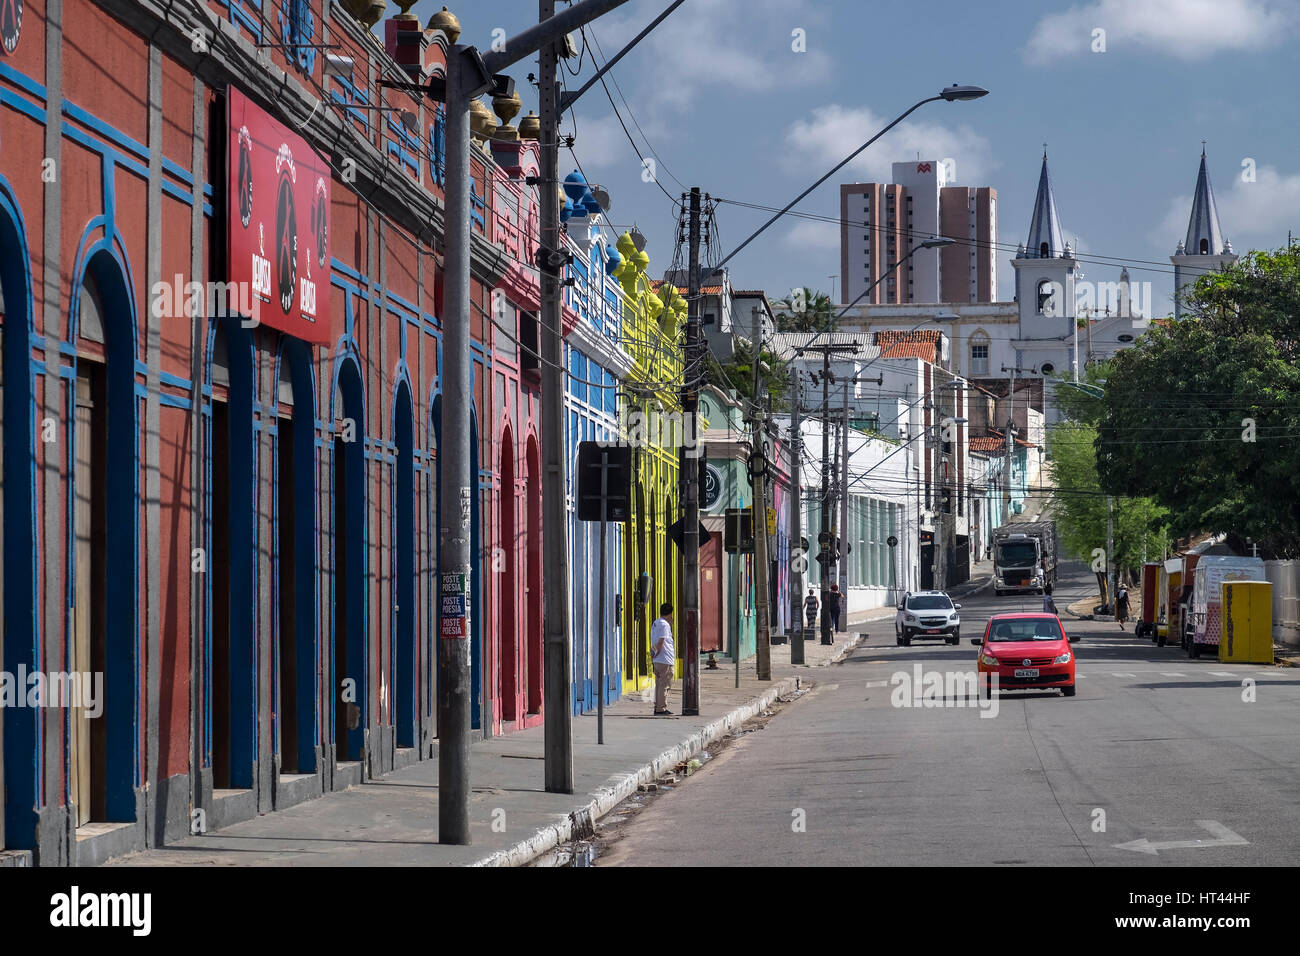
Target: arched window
1205,247
1047,297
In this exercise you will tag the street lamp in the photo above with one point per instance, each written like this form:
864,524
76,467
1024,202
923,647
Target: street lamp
952,94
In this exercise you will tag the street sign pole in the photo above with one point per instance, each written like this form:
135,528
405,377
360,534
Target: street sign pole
600,617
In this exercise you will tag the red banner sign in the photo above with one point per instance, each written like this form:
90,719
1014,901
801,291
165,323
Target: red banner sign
278,223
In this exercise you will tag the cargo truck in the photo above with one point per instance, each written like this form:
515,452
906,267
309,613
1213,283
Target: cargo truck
1024,557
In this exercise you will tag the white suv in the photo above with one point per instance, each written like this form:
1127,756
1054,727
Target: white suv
929,614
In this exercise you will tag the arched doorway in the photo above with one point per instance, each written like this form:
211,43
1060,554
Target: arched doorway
102,751
504,571
405,691
233,685
296,650
18,635
533,637
348,504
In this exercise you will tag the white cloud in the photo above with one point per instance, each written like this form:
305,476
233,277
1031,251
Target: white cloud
833,131
712,47
814,235
1252,215
1184,29
599,143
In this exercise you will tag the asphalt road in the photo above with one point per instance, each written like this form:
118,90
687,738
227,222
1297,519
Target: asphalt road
1155,747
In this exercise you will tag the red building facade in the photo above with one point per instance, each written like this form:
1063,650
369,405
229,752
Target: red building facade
234,523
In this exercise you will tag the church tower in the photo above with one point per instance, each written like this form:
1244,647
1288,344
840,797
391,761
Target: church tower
1203,249
1046,270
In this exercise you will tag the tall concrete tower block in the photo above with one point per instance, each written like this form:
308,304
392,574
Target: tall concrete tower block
1203,249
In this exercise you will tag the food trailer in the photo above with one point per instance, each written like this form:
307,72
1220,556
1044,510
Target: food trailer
1207,595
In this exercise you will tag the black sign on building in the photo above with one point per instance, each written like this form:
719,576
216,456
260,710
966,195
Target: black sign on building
617,460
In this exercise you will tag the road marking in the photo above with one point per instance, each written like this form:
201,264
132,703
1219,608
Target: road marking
1124,675
1172,674
1222,674
1223,837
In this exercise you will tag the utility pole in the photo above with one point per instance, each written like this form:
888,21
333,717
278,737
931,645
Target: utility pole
799,565
762,626
470,73
825,543
558,731
844,516
690,475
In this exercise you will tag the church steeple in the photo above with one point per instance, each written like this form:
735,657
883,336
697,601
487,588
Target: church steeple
1045,226
1204,236
1203,249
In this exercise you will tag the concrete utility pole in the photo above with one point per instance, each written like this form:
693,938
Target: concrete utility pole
762,629
844,516
690,472
558,732
799,563
469,74
1110,551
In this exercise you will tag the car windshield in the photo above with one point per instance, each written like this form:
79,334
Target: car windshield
929,602
1021,554
1025,629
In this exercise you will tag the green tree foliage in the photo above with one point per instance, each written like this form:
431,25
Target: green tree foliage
1079,504
738,375
805,311
1203,415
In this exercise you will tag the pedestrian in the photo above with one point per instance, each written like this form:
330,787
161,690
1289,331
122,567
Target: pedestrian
833,606
1049,606
1121,606
810,609
663,656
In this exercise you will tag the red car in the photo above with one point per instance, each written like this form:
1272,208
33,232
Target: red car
1026,651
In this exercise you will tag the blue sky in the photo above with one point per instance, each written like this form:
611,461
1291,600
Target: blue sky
727,104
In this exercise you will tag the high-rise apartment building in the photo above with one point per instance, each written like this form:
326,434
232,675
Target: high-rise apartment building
879,223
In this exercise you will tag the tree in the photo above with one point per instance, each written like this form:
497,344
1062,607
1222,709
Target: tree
738,375
804,311
1140,525
1203,414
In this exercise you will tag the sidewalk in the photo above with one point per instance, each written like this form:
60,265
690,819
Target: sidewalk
393,821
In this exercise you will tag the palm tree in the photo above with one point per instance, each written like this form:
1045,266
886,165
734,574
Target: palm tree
804,311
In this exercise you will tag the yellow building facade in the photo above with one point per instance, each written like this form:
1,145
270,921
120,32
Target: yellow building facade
650,412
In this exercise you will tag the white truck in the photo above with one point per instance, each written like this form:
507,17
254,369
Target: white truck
1204,626
1024,557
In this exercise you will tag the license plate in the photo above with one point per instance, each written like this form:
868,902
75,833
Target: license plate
1026,671
933,630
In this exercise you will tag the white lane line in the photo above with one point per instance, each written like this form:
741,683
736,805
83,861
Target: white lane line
1222,674
1172,674
1123,675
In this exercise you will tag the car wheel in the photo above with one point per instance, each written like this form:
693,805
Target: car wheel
898,640
955,639
907,641
1068,691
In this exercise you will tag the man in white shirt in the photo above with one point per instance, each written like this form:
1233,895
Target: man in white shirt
662,656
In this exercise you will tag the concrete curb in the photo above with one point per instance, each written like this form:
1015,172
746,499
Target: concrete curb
581,822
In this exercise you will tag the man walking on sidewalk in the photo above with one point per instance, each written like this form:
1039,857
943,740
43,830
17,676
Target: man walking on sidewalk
663,656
